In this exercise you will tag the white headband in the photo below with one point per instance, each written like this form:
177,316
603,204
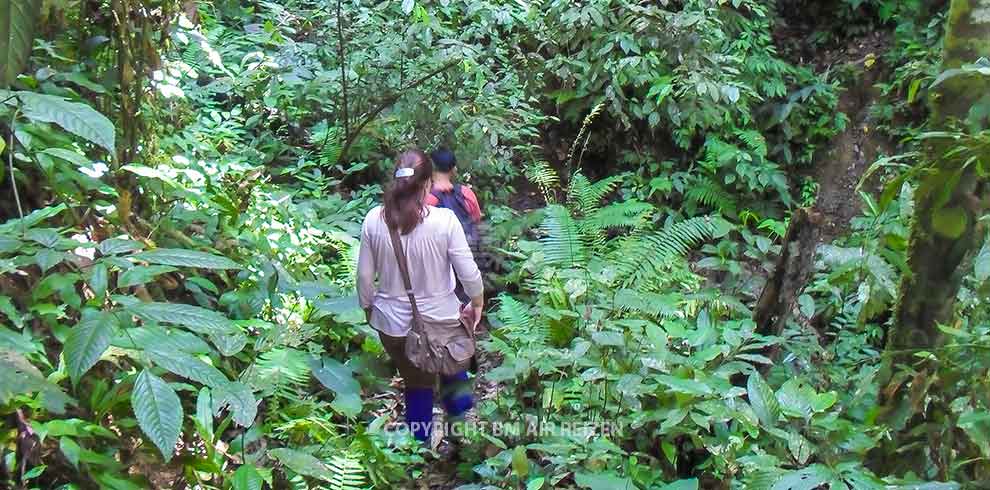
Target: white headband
404,172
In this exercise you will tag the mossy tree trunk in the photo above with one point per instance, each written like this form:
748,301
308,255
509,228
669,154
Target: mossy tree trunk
949,200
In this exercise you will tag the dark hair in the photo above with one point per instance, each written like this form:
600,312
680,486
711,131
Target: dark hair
403,201
444,160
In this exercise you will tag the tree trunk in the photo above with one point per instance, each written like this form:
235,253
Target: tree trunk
944,235
794,266
935,254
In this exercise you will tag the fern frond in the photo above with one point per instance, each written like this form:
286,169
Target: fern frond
513,313
519,324
709,193
650,304
643,256
281,370
718,153
586,196
327,142
540,173
562,242
346,473
753,140
626,214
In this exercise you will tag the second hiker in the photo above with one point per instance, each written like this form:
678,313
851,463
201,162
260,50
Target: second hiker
459,198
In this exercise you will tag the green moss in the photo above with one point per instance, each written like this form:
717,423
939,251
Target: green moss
967,34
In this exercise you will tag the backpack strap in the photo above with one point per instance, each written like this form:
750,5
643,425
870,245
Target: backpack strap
400,257
459,196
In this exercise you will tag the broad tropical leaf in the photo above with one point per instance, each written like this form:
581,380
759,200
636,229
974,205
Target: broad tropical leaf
808,478
302,463
603,481
141,275
161,338
239,398
340,379
74,117
229,343
115,246
87,341
195,318
186,258
17,22
247,478
20,377
982,262
762,399
158,411
187,366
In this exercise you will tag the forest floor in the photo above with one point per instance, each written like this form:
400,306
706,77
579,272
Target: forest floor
839,168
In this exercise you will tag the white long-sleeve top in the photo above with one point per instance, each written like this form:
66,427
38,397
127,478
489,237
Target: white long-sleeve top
436,249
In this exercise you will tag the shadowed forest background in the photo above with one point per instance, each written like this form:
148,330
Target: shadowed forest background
749,235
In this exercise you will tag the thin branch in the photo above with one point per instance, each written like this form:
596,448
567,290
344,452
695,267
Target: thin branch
342,54
391,99
10,164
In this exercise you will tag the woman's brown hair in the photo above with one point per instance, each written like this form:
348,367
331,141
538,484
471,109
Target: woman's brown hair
403,201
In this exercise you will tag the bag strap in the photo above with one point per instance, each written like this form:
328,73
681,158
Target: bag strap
400,257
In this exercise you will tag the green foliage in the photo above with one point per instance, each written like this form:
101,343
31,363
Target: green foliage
199,295
158,411
16,36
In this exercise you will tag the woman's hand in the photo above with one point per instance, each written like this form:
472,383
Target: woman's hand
471,314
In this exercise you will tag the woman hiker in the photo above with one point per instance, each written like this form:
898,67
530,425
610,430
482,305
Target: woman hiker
436,249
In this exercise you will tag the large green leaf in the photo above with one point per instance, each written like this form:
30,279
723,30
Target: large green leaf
688,484
20,377
158,411
74,117
17,22
161,338
762,399
247,478
186,258
87,341
335,376
114,246
808,478
982,262
229,344
141,275
195,318
603,481
302,463
340,379
686,386
187,366
241,401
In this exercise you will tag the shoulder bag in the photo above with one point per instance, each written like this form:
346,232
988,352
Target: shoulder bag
435,347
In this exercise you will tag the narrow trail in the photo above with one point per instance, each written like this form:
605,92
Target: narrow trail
840,167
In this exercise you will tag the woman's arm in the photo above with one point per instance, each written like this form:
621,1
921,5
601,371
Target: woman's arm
459,254
366,272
